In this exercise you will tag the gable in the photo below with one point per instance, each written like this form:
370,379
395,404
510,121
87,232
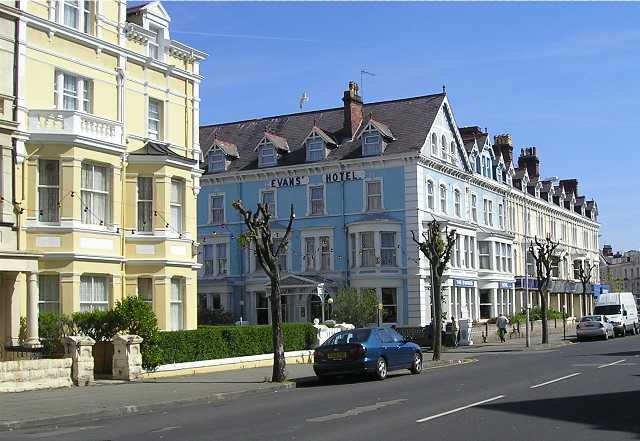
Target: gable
444,125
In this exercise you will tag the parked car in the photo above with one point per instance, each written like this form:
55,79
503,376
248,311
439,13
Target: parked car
591,326
621,310
363,351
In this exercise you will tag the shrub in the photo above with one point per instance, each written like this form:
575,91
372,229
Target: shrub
52,329
215,342
357,308
99,325
214,317
134,316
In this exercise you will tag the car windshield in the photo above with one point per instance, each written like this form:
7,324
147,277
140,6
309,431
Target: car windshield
591,318
346,337
607,309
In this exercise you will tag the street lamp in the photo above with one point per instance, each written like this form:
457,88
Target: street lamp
241,311
321,294
330,302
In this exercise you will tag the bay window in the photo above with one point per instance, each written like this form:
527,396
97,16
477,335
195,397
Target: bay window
207,254
374,195
498,255
48,190
443,199
388,248
145,203
145,290
430,196
96,194
367,249
94,293
177,201
456,203
354,247
474,208
310,253
49,293
484,250
176,303
317,253
500,215
221,258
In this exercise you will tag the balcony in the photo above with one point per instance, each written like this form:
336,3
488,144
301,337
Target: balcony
72,126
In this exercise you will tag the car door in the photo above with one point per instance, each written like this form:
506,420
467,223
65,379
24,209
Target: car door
390,348
405,351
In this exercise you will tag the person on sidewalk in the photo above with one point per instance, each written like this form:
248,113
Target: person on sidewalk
501,322
454,331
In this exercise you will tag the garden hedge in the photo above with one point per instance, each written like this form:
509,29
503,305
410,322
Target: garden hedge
215,342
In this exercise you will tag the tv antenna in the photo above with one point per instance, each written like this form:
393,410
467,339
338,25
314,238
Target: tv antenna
303,99
362,74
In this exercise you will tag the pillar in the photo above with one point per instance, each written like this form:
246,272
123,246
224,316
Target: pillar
80,350
494,303
33,341
127,358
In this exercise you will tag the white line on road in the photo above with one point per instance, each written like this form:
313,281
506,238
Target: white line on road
612,364
459,409
553,381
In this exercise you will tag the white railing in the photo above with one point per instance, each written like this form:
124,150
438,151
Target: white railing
74,123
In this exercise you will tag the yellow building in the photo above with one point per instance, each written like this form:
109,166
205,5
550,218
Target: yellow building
106,161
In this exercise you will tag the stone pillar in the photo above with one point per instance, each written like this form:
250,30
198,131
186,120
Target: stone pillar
80,349
33,341
127,358
494,302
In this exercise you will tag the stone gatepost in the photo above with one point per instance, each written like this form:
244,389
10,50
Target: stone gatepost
127,358
80,350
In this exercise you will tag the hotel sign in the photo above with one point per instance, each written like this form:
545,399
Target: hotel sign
328,178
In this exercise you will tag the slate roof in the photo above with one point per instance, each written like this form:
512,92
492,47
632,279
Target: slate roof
158,149
409,119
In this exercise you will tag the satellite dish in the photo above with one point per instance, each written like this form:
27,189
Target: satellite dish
303,99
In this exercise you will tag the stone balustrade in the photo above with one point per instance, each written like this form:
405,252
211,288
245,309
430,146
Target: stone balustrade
74,123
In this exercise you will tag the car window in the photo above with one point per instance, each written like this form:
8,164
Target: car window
395,335
607,309
352,336
385,336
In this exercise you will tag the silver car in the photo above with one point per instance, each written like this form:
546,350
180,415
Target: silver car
591,326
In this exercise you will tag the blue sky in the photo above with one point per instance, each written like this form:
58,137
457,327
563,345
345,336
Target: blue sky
558,76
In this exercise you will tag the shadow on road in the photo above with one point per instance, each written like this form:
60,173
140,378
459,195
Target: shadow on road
587,409
307,382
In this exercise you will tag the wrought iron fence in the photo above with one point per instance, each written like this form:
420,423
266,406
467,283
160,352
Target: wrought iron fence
420,335
16,353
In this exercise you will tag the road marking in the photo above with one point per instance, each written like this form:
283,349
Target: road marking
612,364
355,411
553,381
449,412
166,429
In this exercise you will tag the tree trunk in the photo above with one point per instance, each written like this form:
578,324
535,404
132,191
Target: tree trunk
543,304
279,364
436,320
584,299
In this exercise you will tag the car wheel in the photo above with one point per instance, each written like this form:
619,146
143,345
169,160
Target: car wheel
416,366
606,336
381,369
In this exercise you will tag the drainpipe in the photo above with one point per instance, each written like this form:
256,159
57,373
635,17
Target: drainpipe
123,175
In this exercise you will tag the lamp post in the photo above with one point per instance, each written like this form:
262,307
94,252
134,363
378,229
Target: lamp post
321,294
564,321
241,311
330,302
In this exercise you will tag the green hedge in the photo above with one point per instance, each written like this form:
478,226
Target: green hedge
215,342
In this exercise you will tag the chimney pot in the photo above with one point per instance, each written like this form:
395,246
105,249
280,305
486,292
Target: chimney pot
353,115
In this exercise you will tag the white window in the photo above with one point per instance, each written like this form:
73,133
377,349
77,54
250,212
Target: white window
371,144
443,198
177,200
49,293
94,293
367,249
501,215
154,126
484,250
458,248
221,259
456,203
208,258
154,42
145,203
498,254
434,144
443,146
267,156
490,213
217,161
325,253
310,253
316,200
317,253
71,13
72,92
96,194
268,199
541,225
466,252
177,296
217,209
430,196
86,16
474,208
75,17
472,249
388,248
374,195
315,149
509,259
145,290
48,190
452,153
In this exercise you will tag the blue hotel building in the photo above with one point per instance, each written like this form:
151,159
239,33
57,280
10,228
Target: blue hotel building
361,178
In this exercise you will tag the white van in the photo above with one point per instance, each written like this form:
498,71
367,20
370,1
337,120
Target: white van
621,310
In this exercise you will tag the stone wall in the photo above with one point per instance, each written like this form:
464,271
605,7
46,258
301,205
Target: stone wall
18,376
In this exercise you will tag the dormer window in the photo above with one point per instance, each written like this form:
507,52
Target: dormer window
316,150
154,48
267,157
371,144
217,161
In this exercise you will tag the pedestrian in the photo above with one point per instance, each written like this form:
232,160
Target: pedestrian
454,331
501,322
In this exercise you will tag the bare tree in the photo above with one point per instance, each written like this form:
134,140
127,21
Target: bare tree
585,272
543,253
436,247
267,250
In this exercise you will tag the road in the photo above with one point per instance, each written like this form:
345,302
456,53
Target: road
585,391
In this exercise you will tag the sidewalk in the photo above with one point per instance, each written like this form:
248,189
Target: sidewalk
112,399
512,345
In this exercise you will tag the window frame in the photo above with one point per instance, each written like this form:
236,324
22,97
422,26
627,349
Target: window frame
393,249
484,255
430,195
49,304
371,249
219,157
457,202
261,149
319,147
148,301
88,195
311,211
474,208
180,282
45,188
369,196
148,202
376,144
444,202
93,304
155,134
273,209
177,205
213,210
434,144
81,96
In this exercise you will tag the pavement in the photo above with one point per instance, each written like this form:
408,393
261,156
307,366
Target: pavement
586,391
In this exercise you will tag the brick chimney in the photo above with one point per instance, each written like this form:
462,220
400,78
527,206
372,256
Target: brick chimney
352,109
570,186
529,159
505,143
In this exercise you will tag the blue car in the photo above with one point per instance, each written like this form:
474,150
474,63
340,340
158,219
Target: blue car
372,352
